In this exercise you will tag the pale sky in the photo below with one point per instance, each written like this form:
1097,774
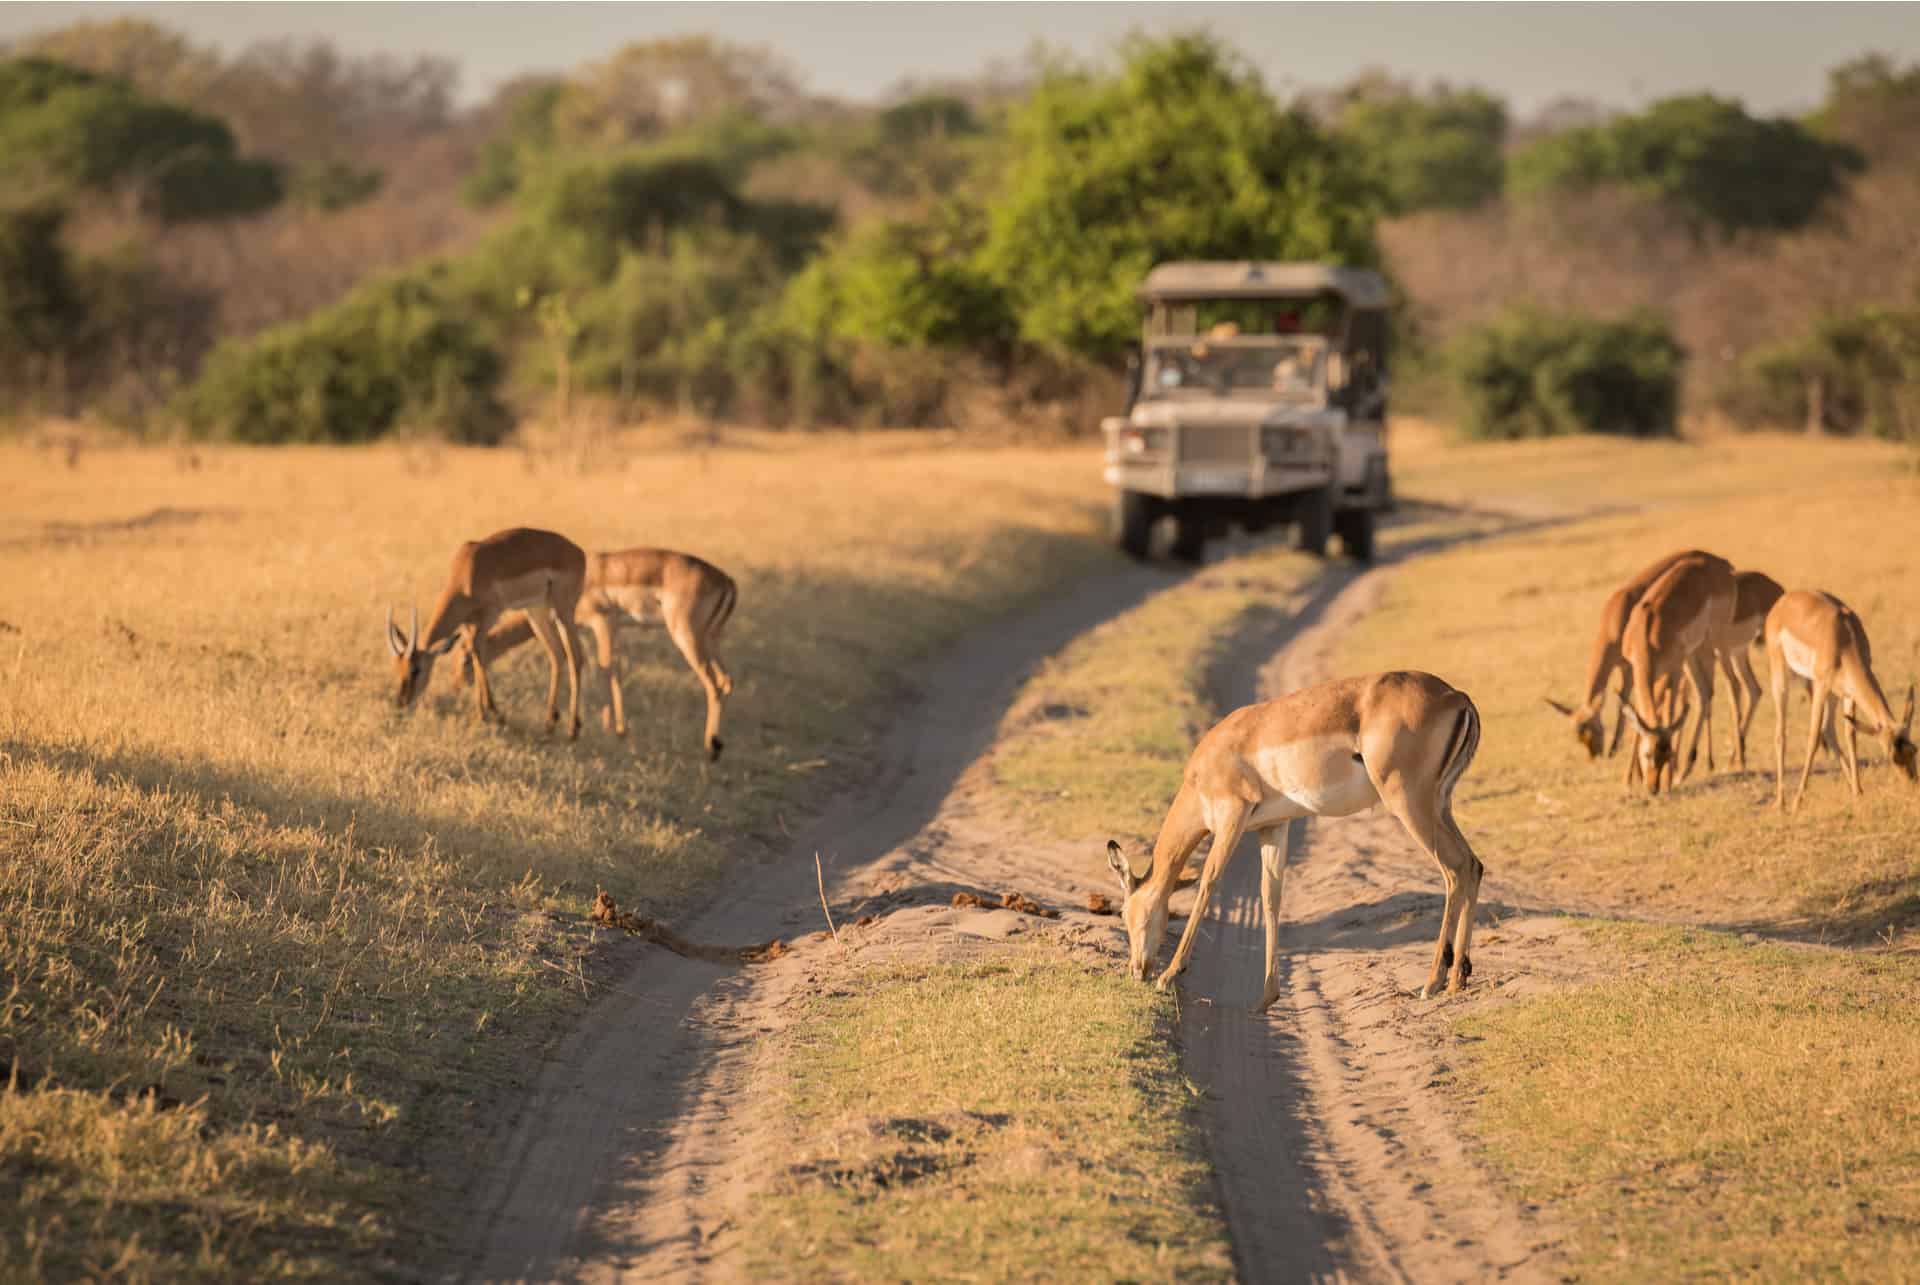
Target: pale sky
1774,56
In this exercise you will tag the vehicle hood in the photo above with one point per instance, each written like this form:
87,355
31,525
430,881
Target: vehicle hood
1222,413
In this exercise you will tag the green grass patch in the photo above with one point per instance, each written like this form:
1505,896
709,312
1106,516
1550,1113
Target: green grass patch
1719,1110
1097,739
1023,1118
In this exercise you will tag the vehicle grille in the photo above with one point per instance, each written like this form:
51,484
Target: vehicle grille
1216,444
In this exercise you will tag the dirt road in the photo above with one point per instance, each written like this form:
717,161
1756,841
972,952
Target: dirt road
1336,1158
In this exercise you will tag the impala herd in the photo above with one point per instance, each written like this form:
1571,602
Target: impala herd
1402,739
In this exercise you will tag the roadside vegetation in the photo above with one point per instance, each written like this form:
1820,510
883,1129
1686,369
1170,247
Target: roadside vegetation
272,952
1012,1116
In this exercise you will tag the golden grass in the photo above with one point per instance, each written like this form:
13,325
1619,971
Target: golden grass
1511,622
1022,1118
262,932
1715,1111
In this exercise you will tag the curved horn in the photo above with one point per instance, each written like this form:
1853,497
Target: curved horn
1633,716
413,639
394,642
1906,719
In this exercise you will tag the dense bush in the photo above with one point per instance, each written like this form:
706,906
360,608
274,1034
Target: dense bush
1854,373
1534,374
395,353
1442,150
1705,156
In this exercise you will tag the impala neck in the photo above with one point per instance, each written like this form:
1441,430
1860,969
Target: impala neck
449,614
1180,834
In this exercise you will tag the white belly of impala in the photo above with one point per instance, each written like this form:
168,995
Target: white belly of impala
1798,655
1319,777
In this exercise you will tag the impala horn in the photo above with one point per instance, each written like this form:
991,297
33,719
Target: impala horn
396,643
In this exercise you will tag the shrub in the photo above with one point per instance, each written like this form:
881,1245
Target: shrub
396,352
1535,374
1854,373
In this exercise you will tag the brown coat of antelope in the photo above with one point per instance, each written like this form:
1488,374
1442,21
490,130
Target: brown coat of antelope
1402,738
1606,660
536,572
1754,593
1819,640
691,597
1669,637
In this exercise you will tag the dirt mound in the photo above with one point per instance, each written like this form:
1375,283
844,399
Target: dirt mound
1008,901
609,915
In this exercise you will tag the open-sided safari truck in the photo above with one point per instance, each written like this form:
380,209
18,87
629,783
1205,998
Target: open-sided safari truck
1258,397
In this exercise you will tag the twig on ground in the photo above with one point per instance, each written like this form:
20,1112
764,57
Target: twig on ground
821,879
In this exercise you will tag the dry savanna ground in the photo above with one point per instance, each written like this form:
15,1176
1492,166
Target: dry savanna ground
1714,1105
271,951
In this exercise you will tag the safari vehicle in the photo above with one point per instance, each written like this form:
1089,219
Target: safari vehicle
1257,398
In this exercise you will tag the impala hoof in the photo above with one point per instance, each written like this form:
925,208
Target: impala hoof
713,749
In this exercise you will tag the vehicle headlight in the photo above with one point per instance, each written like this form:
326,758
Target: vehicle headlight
1143,441
1286,443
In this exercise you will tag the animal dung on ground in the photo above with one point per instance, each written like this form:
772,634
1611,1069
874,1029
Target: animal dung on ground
608,914
1008,901
1099,903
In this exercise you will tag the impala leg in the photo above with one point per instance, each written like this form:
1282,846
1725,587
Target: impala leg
564,628
1417,805
1814,728
1273,873
1850,746
1700,675
1471,871
1619,719
614,716
694,650
1226,837
1747,684
482,680
1777,680
544,629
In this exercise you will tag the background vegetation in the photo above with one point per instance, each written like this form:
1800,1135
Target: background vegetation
683,226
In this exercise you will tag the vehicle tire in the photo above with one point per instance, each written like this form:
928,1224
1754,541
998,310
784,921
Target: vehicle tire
1355,529
1189,538
1313,521
1133,515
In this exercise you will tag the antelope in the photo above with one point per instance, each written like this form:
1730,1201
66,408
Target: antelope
537,572
1669,635
1332,750
692,598
1606,659
1818,639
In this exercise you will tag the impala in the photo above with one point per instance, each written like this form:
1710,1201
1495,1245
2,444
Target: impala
692,598
1668,638
1754,593
537,572
1819,639
1605,659
1402,739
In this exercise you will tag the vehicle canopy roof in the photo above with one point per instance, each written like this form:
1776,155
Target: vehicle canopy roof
1247,279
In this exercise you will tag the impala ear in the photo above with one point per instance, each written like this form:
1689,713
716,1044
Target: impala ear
1558,708
1124,868
397,642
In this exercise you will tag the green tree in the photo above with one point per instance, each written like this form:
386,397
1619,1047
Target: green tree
1440,150
1182,154
1529,373
41,307
1705,156
1874,105
63,126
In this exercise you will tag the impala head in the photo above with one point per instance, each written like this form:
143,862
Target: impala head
1906,756
1656,745
1587,726
1144,914
412,665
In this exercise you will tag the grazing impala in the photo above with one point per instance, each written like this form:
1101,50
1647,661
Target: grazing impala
692,598
1818,639
1669,637
537,572
1606,659
1402,739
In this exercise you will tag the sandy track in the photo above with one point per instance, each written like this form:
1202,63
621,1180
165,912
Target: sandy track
617,1164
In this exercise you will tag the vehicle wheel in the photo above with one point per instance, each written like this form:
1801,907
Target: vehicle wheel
1313,521
1355,528
1190,538
1133,515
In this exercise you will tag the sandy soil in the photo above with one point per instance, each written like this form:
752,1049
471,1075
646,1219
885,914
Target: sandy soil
1336,1153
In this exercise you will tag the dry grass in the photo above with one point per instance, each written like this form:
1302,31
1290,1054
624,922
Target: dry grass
1511,621
1732,1112
1022,1118
267,947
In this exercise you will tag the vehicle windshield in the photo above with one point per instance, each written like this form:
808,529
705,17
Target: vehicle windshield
1290,368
